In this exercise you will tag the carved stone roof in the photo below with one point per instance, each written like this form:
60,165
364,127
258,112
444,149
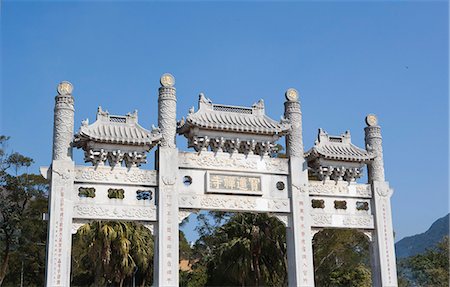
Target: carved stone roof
337,148
232,118
113,129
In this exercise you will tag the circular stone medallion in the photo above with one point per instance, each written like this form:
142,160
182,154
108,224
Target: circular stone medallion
292,95
371,120
65,88
167,80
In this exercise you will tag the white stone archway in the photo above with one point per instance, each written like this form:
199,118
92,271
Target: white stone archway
231,169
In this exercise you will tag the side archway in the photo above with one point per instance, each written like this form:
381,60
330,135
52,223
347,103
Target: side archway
114,253
341,258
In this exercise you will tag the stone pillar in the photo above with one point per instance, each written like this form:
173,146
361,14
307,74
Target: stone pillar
166,233
384,271
59,240
299,238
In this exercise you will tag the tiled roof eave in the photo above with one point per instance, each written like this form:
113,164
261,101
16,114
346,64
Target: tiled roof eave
316,153
190,123
82,138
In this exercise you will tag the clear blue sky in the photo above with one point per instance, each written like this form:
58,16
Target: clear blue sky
347,59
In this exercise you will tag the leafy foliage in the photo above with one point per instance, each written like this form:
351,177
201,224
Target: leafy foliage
341,258
248,250
108,252
428,269
22,233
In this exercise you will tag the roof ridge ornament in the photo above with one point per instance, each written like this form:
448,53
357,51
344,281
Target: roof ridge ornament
203,102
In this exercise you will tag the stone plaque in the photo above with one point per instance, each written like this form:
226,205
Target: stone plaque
233,183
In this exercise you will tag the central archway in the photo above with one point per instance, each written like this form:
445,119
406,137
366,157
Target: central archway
239,249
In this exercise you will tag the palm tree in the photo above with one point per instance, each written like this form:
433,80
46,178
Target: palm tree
110,251
250,250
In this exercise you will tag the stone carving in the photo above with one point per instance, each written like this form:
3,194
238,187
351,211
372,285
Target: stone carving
277,165
133,176
168,180
374,145
188,201
208,160
167,116
279,204
63,174
364,190
111,212
294,140
211,161
320,188
382,191
360,221
321,219
297,188
231,145
63,132
227,203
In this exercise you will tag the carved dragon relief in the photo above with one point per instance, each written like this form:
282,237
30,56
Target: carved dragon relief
235,162
131,176
114,212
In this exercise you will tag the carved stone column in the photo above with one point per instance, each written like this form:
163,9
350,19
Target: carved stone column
299,238
373,141
59,241
384,270
166,234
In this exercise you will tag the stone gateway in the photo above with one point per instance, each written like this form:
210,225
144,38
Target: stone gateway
232,167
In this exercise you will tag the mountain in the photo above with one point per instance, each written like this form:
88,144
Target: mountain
416,244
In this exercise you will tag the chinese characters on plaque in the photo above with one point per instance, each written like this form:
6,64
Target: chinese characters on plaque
240,183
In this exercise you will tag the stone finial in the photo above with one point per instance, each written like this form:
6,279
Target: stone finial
371,120
167,80
292,95
64,88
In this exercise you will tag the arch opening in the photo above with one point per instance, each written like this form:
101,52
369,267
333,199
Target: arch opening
112,253
341,258
235,249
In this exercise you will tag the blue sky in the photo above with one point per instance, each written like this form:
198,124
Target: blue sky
347,59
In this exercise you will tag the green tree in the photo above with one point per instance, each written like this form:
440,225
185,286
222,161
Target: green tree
107,252
429,269
248,250
21,197
341,258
